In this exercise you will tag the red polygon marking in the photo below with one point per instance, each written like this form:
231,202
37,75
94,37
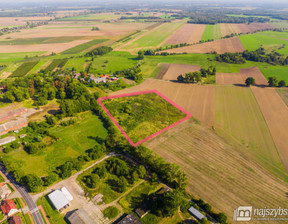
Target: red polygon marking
136,94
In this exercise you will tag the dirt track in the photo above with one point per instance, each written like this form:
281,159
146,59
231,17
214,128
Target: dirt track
222,46
189,33
275,112
197,100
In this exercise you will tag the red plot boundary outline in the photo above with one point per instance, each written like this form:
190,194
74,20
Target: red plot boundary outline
136,94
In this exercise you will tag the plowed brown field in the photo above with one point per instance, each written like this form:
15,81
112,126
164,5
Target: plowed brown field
222,174
189,33
222,46
175,70
239,78
229,28
275,112
197,100
57,48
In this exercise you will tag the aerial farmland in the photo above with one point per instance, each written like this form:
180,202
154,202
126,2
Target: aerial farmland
152,113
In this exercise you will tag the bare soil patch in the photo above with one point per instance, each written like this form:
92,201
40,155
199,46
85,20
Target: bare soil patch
196,99
164,69
275,112
175,70
245,28
222,174
239,78
189,33
229,28
222,46
57,48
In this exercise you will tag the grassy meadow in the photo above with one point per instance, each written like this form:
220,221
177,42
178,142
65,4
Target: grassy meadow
143,115
74,141
212,32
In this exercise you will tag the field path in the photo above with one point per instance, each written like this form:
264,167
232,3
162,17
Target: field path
275,112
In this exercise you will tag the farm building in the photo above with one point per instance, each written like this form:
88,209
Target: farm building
103,78
12,113
4,190
7,140
15,220
60,198
198,215
9,208
13,125
129,219
80,217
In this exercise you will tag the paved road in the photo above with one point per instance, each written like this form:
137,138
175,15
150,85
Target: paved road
26,196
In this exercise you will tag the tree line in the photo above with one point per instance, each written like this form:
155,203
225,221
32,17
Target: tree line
196,77
259,55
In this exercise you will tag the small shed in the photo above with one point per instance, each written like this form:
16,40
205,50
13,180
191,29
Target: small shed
80,217
198,215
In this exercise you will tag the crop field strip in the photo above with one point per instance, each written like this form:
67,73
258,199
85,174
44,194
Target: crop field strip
275,112
188,33
222,46
212,32
23,69
212,165
155,37
57,63
237,114
82,47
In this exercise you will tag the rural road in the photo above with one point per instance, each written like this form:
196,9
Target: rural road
26,196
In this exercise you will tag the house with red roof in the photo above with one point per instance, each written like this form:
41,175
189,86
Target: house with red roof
9,208
15,220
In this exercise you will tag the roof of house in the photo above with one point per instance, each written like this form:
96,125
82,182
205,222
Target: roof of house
4,189
59,199
67,193
198,215
15,220
80,217
129,219
7,206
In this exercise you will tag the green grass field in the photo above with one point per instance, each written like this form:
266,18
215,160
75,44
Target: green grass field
237,114
281,72
74,142
156,37
268,40
83,47
14,57
52,214
143,115
212,32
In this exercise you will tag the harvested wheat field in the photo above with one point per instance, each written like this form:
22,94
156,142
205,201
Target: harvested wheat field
197,100
188,33
222,46
239,78
223,174
174,70
21,21
275,112
113,29
229,28
56,48
245,28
